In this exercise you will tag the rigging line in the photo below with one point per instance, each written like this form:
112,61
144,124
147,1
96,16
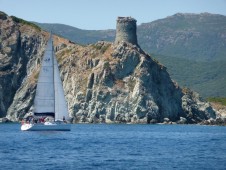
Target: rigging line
53,75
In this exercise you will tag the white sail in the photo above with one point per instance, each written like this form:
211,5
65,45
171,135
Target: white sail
60,102
49,98
44,98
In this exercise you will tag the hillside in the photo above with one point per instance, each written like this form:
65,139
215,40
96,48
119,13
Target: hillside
103,82
78,35
197,39
207,78
200,37
190,36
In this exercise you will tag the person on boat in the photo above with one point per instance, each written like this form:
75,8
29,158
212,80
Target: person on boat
41,120
35,120
32,120
46,119
64,119
28,119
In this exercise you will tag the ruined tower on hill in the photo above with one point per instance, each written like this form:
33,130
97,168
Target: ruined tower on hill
126,30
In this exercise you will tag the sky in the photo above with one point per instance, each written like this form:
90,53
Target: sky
102,14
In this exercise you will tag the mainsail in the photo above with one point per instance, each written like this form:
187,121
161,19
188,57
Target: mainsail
49,98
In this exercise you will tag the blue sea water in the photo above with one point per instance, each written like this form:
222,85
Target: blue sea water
114,146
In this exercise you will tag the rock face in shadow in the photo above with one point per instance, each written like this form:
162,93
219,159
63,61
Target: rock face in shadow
103,82
20,45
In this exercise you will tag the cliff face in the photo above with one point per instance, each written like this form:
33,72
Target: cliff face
20,44
21,48
194,43
133,88
107,82
104,82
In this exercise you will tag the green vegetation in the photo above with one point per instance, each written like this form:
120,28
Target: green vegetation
36,74
106,65
104,48
3,15
66,51
97,47
193,37
78,35
131,84
221,100
19,20
207,78
100,47
185,90
192,47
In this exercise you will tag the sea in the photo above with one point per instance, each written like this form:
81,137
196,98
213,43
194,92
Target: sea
114,146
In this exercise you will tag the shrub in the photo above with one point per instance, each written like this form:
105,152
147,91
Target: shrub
221,100
19,20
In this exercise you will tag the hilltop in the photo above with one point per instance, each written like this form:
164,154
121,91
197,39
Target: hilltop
83,37
192,42
197,37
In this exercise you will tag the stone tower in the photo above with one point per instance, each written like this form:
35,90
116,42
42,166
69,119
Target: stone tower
126,30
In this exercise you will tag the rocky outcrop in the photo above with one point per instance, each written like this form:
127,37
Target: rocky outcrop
196,109
20,44
128,86
220,110
21,47
103,82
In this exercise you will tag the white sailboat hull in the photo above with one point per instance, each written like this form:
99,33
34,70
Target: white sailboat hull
46,127
49,97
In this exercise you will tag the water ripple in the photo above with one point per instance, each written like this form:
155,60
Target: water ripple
90,146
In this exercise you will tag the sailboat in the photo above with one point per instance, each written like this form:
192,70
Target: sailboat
49,102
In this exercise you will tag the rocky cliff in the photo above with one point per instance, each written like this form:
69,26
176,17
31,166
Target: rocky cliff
104,82
20,45
108,82
194,43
